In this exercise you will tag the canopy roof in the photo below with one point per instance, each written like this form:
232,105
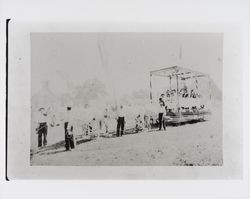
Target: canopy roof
177,70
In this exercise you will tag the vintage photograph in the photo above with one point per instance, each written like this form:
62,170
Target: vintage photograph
126,99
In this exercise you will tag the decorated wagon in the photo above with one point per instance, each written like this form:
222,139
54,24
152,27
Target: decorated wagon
186,93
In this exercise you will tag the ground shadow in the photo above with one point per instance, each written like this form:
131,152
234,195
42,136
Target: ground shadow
53,152
53,148
48,148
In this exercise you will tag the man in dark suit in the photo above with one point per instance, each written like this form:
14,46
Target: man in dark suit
120,122
162,112
68,128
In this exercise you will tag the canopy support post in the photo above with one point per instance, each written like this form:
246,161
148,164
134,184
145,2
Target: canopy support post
177,94
170,88
196,82
170,83
151,98
177,91
196,95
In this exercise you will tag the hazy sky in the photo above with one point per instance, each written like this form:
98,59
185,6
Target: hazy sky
121,60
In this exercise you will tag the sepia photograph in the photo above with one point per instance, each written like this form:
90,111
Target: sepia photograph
126,99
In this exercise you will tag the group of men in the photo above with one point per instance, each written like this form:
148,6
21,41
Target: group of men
42,129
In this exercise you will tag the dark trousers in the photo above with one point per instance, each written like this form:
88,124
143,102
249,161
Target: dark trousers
120,126
42,134
161,121
69,138
69,142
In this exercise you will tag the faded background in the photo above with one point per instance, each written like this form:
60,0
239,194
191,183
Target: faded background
122,61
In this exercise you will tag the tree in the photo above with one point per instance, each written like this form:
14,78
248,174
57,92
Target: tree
92,89
140,96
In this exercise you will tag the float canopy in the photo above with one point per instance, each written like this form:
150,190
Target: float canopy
177,71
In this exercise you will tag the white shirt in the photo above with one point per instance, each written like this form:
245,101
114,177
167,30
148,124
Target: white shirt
121,112
70,120
42,118
162,109
106,113
68,117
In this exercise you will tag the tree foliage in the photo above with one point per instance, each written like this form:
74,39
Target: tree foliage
92,89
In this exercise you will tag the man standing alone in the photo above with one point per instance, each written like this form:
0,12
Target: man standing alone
162,110
42,128
120,122
68,128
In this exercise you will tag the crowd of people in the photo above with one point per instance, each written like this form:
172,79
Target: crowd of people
101,125
96,127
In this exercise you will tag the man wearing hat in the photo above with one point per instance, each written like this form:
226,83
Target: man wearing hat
120,122
68,127
42,129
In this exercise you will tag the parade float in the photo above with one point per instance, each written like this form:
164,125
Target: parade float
186,93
